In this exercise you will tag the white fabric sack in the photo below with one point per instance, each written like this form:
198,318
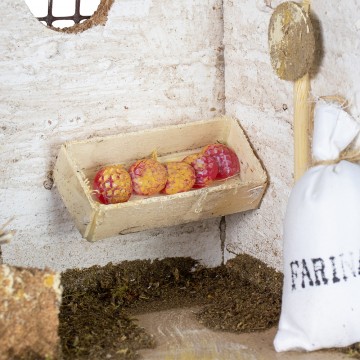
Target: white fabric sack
321,293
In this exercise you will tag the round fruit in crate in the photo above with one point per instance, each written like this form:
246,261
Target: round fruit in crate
206,169
226,158
112,185
181,177
148,176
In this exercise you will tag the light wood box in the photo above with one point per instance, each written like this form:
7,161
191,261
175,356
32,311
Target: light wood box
78,161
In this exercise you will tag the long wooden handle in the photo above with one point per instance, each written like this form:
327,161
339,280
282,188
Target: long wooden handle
302,120
301,125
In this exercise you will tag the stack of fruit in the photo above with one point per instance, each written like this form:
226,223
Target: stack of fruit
114,184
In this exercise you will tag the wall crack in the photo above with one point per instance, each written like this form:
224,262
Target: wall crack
222,228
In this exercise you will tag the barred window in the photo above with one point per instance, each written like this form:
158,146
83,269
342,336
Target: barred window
62,13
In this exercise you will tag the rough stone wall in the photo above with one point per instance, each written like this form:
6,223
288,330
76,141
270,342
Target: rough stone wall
155,62
264,104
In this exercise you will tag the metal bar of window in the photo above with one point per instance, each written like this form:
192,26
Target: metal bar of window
76,18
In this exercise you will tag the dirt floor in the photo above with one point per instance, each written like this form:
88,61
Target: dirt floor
99,303
179,336
103,307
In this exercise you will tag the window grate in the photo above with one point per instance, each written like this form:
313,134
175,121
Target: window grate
76,18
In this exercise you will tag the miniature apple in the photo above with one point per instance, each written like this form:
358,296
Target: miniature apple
181,177
226,158
206,168
148,176
112,185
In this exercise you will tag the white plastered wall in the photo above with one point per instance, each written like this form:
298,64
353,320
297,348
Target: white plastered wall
264,104
154,63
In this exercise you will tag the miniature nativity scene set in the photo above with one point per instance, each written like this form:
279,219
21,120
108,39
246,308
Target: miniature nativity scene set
137,181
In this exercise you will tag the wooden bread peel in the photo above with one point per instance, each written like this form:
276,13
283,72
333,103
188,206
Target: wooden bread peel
292,48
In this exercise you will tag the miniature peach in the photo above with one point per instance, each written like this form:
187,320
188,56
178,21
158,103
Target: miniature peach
226,158
148,176
112,185
206,168
181,177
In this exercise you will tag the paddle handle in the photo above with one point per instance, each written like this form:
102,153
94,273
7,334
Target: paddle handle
301,126
302,120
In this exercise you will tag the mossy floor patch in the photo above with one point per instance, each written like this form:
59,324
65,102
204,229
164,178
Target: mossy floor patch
100,304
98,312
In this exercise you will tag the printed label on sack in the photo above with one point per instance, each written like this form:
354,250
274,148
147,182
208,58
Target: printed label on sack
324,271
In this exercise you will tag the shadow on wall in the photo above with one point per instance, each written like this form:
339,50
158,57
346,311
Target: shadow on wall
319,45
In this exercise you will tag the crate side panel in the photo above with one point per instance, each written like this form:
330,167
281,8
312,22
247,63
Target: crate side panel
142,216
251,168
71,191
168,211
127,147
229,200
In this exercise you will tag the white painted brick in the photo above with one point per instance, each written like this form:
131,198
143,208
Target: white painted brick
255,96
153,63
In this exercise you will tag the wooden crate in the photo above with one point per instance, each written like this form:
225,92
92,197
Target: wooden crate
78,161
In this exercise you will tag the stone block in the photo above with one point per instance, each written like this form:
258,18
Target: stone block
29,308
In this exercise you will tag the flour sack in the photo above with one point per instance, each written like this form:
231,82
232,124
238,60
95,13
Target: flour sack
321,293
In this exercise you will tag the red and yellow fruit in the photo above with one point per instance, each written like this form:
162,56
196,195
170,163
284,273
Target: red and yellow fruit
112,185
206,169
226,158
181,177
148,176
